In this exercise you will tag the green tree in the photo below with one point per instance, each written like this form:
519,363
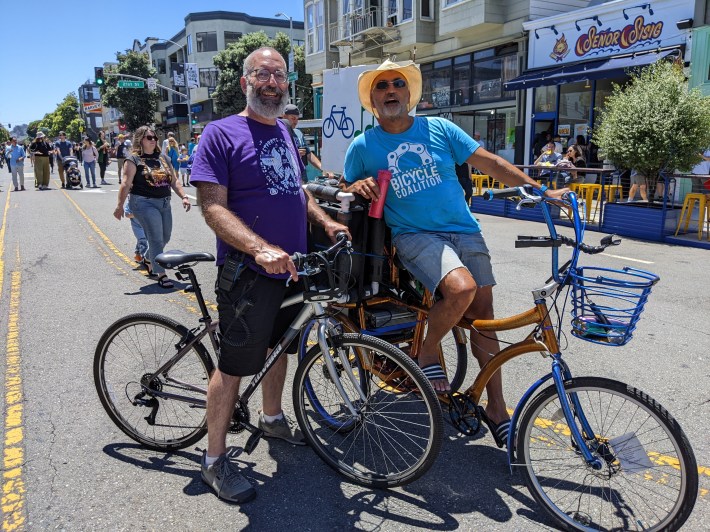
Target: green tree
66,113
229,96
32,128
74,129
654,123
4,134
137,105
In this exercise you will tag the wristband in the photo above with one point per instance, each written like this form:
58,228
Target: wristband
542,190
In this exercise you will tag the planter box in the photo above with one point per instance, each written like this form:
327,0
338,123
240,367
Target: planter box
494,207
638,220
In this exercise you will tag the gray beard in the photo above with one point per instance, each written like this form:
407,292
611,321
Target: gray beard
268,109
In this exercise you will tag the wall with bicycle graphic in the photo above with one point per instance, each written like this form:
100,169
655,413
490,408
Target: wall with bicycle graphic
343,116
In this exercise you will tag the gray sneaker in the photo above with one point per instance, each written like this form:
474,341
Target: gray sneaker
223,477
283,428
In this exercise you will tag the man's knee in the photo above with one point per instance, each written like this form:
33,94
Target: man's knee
481,308
458,288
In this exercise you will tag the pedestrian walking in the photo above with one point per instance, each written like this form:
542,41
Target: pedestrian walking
62,148
102,147
182,161
16,163
121,152
173,154
148,177
40,149
89,155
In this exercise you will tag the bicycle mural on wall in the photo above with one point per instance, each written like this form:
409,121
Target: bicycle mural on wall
340,121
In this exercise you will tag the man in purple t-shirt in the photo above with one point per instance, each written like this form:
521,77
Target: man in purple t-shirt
248,178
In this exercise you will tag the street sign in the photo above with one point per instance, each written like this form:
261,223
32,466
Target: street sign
290,61
292,76
125,84
152,83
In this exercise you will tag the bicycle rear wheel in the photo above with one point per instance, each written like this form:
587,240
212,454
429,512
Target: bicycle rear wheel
396,432
649,476
127,354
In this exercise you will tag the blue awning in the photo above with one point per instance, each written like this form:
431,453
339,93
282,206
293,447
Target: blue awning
596,69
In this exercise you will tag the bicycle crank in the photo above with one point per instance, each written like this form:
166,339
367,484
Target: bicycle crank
464,415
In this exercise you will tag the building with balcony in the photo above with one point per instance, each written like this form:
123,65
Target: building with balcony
467,50
204,35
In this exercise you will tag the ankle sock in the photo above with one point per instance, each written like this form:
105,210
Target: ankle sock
271,419
209,460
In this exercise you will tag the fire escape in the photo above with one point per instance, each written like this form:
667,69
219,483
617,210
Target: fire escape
364,30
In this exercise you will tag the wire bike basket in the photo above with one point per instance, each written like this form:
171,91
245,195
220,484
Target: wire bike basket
607,303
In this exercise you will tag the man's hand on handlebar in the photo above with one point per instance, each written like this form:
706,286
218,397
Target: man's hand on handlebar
275,260
367,188
332,228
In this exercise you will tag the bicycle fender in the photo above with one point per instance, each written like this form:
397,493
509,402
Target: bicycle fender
518,412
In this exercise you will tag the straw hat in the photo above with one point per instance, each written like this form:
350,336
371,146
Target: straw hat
40,135
408,70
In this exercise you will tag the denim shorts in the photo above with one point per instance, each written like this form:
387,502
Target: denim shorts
432,256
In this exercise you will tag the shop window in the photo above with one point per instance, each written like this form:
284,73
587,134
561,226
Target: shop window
545,99
462,80
575,110
231,37
440,81
497,129
490,75
206,41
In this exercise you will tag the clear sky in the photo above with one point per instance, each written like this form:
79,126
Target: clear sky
50,47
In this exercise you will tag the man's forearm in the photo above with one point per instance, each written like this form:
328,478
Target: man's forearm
232,229
316,215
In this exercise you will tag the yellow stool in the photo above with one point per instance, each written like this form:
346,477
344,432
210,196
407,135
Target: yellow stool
608,191
574,187
478,182
703,213
587,191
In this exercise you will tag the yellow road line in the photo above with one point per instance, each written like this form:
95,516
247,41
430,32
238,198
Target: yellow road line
128,260
13,486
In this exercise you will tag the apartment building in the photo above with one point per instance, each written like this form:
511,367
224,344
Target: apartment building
510,69
204,35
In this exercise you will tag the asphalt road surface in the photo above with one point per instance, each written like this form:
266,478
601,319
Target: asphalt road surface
67,274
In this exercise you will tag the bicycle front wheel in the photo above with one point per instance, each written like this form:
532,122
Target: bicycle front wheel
128,353
649,476
396,431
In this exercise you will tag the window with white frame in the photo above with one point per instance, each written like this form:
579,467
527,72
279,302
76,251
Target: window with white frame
448,3
320,26
310,29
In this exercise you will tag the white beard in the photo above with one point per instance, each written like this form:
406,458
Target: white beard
268,109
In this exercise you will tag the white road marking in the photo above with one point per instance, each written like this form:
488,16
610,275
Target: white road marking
628,258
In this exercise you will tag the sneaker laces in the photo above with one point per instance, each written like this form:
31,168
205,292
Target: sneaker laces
228,467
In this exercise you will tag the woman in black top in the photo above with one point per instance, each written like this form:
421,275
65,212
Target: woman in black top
102,146
148,177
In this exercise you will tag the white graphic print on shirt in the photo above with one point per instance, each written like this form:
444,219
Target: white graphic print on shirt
419,175
280,167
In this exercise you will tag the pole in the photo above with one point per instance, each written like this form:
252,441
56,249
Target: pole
183,49
292,66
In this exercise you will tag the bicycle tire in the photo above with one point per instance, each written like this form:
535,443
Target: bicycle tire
328,127
134,347
348,127
635,452
366,451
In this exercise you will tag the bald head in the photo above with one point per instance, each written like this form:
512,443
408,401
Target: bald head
265,52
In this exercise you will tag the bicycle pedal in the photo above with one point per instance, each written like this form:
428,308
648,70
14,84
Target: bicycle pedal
253,440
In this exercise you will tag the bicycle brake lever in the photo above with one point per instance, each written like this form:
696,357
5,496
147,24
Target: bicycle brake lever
524,201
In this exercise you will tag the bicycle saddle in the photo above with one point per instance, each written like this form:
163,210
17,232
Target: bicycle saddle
175,258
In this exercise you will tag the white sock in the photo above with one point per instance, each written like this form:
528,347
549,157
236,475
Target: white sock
209,460
271,419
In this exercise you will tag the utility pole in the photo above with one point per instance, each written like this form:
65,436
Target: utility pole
291,55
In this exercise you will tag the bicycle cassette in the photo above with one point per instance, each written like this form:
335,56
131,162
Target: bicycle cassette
464,415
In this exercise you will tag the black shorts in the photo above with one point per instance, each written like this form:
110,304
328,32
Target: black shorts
245,341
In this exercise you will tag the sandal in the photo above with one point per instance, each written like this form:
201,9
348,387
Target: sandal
165,282
434,372
499,431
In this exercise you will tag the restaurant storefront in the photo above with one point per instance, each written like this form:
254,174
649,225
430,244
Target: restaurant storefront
468,89
574,59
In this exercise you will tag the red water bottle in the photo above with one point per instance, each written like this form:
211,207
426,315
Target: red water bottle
383,181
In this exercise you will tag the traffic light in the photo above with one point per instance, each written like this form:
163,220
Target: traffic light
99,75
194,120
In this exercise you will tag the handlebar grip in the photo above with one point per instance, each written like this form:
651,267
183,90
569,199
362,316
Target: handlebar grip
298,260
502,193
323,192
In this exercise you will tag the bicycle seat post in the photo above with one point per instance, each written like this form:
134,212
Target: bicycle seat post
198,293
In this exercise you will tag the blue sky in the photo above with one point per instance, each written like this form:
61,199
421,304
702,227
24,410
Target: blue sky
50,48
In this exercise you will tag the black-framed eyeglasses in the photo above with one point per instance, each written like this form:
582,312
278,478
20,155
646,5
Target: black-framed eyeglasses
398,83
150,137
264,74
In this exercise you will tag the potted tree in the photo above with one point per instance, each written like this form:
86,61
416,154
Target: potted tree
655,125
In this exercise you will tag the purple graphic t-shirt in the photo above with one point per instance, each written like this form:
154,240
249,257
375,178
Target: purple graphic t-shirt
260,167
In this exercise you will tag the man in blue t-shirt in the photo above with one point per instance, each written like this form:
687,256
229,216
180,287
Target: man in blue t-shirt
248,177
62,148
437,237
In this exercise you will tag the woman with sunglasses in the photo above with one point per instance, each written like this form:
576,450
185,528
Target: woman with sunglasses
148,177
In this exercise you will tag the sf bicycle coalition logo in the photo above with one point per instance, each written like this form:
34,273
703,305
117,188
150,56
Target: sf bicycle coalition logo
279,166
420,173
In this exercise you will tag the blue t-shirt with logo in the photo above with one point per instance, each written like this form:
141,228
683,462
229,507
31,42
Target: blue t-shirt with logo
424,194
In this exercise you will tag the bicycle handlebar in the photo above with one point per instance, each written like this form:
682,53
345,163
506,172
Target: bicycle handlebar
312,263
529,195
